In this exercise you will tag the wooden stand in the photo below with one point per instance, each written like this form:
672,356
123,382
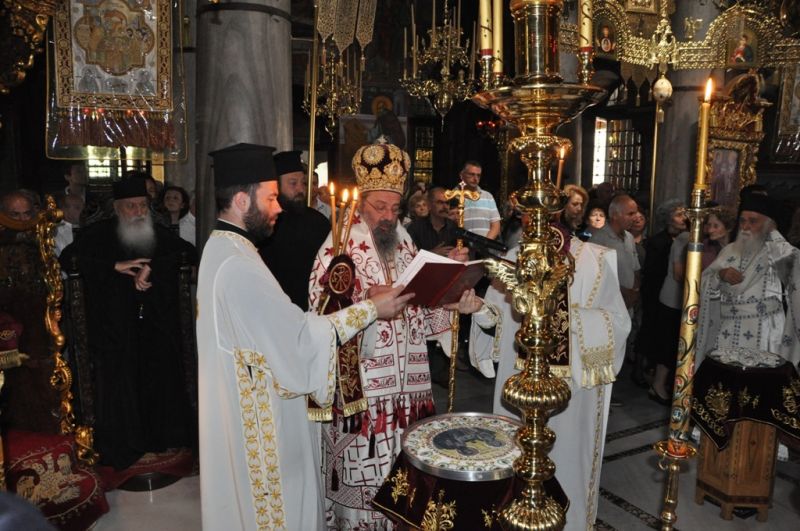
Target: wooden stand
743,474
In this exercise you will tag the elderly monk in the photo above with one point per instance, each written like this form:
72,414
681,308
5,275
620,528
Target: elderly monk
259,356
360,449
744,289
130,270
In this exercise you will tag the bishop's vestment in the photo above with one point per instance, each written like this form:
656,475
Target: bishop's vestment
599,325
751,314
359,450
259,355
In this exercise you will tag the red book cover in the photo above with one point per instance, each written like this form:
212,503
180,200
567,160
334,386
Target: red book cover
436,280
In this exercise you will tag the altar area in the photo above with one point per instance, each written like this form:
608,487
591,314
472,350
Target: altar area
630,484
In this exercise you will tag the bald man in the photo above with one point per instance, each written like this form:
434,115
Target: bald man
18,206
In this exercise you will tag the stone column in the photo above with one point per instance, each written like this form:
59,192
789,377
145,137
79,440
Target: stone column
678,134
243,86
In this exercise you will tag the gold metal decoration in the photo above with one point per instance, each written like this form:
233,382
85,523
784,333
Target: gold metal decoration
401,486
536,103
439,515
441,68
333,82
461,193
23,28
690,27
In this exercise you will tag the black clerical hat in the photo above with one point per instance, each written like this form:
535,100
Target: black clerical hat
759,203
288,162
243,164
130,187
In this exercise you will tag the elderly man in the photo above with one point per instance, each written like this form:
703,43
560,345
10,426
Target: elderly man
360,449
130,270
17,206
480,216
259,356
614,235
435,232
744,289
299,231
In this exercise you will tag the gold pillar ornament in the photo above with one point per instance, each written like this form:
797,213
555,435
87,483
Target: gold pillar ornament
677,447
536,102
461,193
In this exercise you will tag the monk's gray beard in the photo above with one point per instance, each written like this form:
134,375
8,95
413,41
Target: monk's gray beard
748,243
385,236
138,235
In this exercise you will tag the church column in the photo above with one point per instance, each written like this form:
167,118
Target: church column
678,134
243,86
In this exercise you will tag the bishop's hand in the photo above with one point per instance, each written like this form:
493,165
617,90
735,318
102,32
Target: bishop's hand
730,275
131,267
468,304
388,301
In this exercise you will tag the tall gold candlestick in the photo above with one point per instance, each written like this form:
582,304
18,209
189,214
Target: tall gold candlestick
485,23
497,36
677,447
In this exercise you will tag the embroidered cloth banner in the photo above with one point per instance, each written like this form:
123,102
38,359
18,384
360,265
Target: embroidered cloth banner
113,73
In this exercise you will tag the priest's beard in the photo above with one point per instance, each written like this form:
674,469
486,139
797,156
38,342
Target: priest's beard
137,235
748,243
385,235
294,205
256,222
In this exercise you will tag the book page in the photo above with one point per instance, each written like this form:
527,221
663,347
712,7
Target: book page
423,257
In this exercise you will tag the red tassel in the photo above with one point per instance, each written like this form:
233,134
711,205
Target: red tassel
365,422
395,414
402,420
380,422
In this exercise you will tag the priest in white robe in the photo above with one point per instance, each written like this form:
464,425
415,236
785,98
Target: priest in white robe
599,325
259,356
359,450
749,293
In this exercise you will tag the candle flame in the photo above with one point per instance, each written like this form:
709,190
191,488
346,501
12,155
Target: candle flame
331,189
345,195
562,152
355,194
709,89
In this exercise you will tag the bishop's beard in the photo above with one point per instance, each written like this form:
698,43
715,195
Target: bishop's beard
385,236
137,235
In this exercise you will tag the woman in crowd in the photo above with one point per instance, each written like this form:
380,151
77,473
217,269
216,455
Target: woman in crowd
595,215
176,203
417,207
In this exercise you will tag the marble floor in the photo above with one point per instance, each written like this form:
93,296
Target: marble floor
630,489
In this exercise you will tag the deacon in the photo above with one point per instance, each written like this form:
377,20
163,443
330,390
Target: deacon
598,328
259,356
360,449
130,268
744,289
299,231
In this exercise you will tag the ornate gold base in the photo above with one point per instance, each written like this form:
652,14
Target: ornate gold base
671,463
522,515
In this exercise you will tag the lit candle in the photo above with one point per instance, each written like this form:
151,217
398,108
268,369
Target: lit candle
497,35
485,22
340,227
702,137
332,191
584,24
405,51
353,207
414,58
472,52
561,153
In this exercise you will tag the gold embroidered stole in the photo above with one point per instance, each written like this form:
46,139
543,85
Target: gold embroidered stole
338,283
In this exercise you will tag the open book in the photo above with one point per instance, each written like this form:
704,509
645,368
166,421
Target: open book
436,280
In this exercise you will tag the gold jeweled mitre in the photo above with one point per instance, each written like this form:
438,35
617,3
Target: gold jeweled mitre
381,167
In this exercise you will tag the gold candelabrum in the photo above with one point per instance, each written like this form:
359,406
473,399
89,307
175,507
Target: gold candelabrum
499,133
536,102
677,448
338,90
441,68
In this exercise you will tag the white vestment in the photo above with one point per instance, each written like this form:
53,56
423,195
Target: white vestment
396,382
751,314
259,355
599,326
